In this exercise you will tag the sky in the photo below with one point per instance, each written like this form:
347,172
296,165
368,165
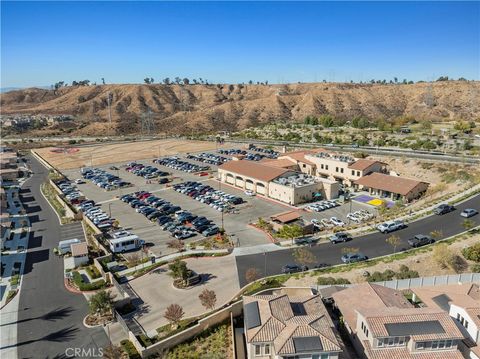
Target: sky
234,42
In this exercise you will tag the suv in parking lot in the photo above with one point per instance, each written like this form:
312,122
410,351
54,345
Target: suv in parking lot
391,226
443,208
420,240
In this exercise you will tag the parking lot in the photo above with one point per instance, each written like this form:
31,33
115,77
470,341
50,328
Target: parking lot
235,224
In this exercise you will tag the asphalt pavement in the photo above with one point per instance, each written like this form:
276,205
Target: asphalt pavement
371,245
50,317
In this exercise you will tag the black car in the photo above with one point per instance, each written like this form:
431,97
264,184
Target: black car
443,208
420,240
163,180
293,268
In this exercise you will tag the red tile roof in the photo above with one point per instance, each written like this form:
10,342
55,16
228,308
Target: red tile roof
389,183
253,169
363,164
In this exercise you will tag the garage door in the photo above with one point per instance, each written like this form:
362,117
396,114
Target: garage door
249,184
239,182
230,179
260,188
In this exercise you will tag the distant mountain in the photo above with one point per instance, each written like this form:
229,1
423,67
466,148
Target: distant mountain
179,109
8,89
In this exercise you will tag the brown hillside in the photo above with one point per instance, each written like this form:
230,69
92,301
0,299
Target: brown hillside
184,109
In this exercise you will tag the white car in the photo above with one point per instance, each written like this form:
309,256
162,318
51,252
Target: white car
79,181
326,223
250,193
337,221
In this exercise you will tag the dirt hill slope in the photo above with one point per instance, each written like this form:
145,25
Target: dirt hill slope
183,109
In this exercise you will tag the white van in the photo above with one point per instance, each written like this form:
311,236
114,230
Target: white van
66,245
124,244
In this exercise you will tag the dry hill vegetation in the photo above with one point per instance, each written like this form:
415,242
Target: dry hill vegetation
188,109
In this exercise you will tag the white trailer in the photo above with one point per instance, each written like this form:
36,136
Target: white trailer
66,245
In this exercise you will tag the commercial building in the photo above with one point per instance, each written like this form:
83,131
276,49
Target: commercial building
392,187
282,184
383,324
462,303
280,326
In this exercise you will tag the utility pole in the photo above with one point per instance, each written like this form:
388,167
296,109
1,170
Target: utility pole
109,101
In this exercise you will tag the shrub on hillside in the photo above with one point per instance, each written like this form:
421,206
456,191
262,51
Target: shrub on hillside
472,253
332,281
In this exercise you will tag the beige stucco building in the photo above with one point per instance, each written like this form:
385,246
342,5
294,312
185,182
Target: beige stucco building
282,184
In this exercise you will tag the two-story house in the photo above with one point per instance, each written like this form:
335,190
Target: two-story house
383,324
462,303
281,327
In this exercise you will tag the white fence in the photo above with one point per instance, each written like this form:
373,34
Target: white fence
401,284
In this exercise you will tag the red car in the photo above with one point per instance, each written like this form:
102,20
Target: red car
201,174
145,195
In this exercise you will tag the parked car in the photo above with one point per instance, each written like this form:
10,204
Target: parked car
250,193
340,237
337,222
353,257
420,240
210,231
443,208
293,268
468,212
391,226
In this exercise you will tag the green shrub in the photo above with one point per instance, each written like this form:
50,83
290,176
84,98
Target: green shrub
475,268
472,253
93,272
144,340
130,349
78,280
331,281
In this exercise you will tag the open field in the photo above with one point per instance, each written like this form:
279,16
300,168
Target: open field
121,152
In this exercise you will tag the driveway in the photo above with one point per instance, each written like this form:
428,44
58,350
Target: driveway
157,292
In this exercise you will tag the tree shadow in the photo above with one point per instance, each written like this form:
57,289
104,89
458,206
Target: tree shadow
206,277
51,316
59,336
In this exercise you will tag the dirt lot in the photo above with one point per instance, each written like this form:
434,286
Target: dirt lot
121,152
422,263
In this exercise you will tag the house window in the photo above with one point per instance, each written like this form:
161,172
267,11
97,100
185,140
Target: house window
326,167
380,342
353,173
358,173
324,356
420,345
336,169
258,350
266,349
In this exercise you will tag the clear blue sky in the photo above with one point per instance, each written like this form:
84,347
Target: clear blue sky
44,42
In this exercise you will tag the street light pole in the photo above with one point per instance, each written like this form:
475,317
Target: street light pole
265,262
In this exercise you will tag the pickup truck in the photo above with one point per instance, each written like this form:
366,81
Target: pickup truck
391,226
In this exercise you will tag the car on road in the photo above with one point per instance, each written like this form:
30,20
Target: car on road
293,268
353,257
420,240
340,237
443,209
79,181
391,226
468,212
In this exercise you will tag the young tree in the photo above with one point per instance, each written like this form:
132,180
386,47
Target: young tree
445,258
303,256
175,244
394,241
174,313
208,298
251,275
437,234
179,270
290,232
101,303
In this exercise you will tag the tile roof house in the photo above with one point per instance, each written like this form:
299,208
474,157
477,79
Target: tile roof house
279,326
461,302
384,325
392,186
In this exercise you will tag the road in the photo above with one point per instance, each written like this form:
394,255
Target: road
372,245
50,317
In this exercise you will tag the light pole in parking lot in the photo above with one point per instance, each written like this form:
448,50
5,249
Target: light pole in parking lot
110,210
